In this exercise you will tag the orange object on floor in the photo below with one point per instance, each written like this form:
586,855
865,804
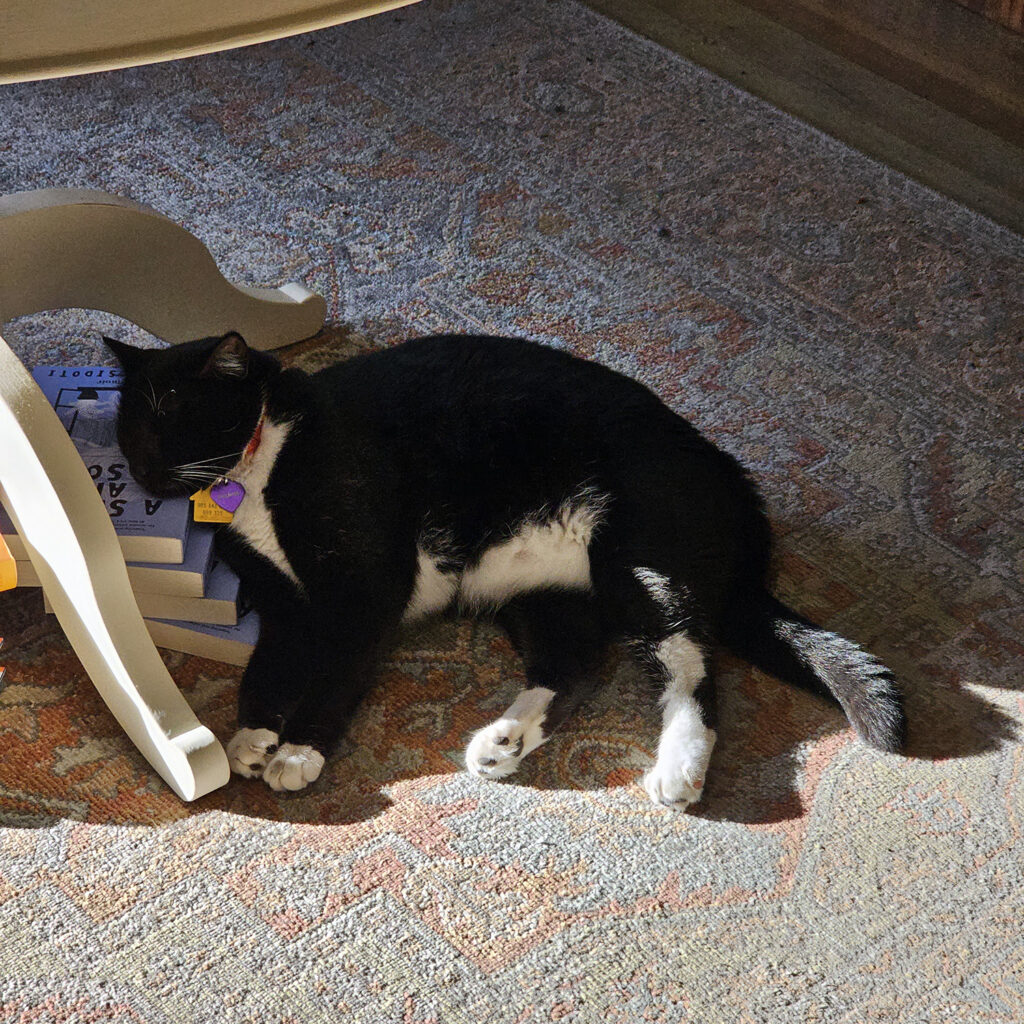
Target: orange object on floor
8,568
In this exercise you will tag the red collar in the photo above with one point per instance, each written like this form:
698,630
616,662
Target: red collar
254,441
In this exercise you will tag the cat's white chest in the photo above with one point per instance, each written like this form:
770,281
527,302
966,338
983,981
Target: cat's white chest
252,520
543,552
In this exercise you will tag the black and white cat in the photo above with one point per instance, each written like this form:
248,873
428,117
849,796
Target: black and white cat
494,476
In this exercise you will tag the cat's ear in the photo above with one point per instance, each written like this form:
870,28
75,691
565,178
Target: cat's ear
129,358
229,358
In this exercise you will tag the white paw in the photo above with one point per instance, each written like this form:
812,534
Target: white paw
249,749
671,786
293,767
496,750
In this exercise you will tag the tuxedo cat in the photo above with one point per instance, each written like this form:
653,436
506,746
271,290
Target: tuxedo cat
497,477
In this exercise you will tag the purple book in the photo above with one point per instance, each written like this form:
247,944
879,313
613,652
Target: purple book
217,606
232,644
85,398
186,578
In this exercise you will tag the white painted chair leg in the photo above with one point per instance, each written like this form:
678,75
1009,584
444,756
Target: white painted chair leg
47,490
66,248
61,249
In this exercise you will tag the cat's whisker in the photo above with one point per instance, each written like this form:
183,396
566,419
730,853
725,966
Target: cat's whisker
198,477
149,401
203,469
214,471
198,464
204,462
212,465
215,458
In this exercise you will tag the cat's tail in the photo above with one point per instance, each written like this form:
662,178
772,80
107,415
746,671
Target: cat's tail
779,641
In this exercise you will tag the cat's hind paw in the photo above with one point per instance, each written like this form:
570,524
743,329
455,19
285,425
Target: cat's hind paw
293,767
670,787
249,750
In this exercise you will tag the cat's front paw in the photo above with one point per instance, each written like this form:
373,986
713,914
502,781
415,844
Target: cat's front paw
671,786
293,767
249,750
496,750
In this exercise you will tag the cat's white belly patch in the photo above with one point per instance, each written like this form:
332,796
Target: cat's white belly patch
252,520
552,552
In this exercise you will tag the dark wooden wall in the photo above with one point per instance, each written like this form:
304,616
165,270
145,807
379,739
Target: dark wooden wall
926,86
931,47
1009,13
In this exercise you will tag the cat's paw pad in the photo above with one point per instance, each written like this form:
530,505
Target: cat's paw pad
249,750
293,767
671,787
496,750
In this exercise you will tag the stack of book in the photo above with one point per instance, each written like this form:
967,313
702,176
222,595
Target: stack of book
190,601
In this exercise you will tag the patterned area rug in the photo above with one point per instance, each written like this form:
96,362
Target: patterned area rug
531,168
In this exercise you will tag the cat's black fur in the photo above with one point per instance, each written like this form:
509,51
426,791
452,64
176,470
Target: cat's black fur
451,444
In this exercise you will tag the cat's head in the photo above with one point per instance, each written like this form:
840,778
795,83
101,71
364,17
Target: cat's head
187,412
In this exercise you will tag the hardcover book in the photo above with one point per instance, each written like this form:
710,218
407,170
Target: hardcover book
231,644
85,398
218,606
187,579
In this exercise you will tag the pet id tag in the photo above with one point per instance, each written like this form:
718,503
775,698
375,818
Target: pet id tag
228,495
206,510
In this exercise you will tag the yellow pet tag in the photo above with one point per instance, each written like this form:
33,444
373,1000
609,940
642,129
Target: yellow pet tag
206,510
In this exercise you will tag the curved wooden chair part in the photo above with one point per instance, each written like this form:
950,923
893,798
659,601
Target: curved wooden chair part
63,248
71,248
